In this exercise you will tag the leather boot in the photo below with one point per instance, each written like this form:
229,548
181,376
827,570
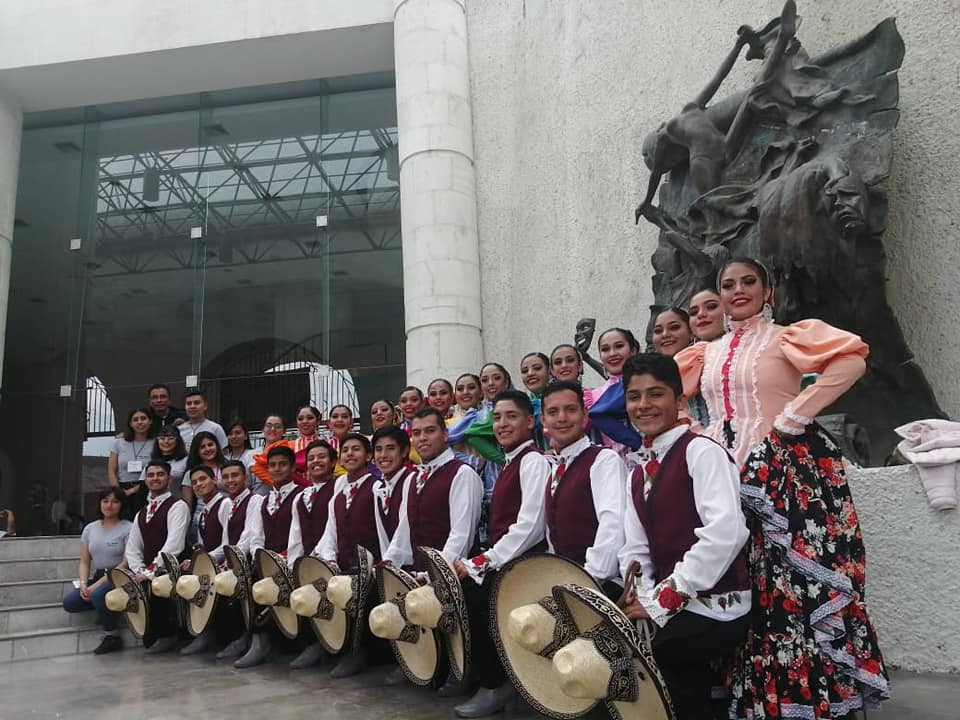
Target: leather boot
235,649
201,643
351,664
487,701
395,677
161,645
311,655
259,651
452,687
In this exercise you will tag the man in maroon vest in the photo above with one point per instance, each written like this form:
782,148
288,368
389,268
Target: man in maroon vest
354,523
243,524
584,497
391,453
517,525
211,523
441,506
310,519
161,526
683,559
276,516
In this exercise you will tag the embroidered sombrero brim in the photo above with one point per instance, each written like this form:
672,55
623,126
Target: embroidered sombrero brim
201,606
529,580
272,565
330,623
238,563
449,592
364,584
419,654
640,694
137,613
172,568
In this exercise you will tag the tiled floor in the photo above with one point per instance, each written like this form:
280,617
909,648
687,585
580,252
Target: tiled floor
131,686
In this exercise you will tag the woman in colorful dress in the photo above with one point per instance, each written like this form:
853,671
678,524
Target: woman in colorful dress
440,396
382,414
606,404
411,399
706,314
812,651
308,421
671,331
566,363
274,430
535,374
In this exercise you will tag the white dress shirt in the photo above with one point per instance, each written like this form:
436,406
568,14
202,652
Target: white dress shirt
466,496
252,523
295,546
326,548
608,476
716,494
257,540
383,490
529,527
178,521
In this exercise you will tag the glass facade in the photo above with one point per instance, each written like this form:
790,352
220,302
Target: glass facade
253,245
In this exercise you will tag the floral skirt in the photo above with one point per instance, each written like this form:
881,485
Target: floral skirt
811,651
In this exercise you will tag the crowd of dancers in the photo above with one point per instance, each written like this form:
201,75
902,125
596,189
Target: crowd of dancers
692,488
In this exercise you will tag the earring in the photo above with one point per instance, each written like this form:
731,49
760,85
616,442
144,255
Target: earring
767,312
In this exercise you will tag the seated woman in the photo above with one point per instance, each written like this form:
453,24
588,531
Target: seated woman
101,548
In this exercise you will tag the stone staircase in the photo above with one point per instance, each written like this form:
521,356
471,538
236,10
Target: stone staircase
35,574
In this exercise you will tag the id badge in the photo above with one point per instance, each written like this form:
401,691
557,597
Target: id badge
135,466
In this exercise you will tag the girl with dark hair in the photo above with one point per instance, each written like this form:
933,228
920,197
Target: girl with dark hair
671,331
308,423
606,404
204,450
411,400
440,396
101,547
535,374
566,363
467,394
382,414
240,448
169,447
129,456
806,550
706,315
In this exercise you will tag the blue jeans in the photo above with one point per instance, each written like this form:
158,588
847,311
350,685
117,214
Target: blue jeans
73,603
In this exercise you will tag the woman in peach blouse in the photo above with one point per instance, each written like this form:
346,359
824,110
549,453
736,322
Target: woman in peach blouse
812,650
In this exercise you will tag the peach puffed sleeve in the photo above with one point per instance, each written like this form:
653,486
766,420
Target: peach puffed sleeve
690,362
813,346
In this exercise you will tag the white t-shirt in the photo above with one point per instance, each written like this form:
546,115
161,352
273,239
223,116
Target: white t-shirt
105,544
132,458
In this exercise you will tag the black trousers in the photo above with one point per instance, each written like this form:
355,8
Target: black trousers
684,650
487,669
162,622
227,621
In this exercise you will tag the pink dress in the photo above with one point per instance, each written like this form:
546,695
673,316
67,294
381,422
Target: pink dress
750,378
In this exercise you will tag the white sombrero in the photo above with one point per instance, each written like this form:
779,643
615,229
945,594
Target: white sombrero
236,582
527,629
608,660
310,600
416,648
442,606
129,597
164,586
350,593
196,590
273,590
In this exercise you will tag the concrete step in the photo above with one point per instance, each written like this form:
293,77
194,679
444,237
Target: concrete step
33,592
54,568
42,546
26,618
53,642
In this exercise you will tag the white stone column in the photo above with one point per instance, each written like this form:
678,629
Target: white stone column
441,257
11,128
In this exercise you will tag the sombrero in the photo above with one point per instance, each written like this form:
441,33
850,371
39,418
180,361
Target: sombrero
310,600
442,606
349,593
236,582
416,648
273,590
130,598
608,660
196,591
526,629
164,586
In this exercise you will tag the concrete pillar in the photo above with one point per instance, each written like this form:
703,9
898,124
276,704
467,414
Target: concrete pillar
441,257
11,128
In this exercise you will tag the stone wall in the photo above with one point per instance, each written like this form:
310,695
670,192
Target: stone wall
913,569
563,94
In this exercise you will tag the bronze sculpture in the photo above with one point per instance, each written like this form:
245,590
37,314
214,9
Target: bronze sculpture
793,172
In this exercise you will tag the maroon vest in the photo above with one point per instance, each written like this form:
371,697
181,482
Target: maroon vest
391,516
571,515
211,536
276,528
507,497
428,512
669,517
237,521
356,525
154,533
314,522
